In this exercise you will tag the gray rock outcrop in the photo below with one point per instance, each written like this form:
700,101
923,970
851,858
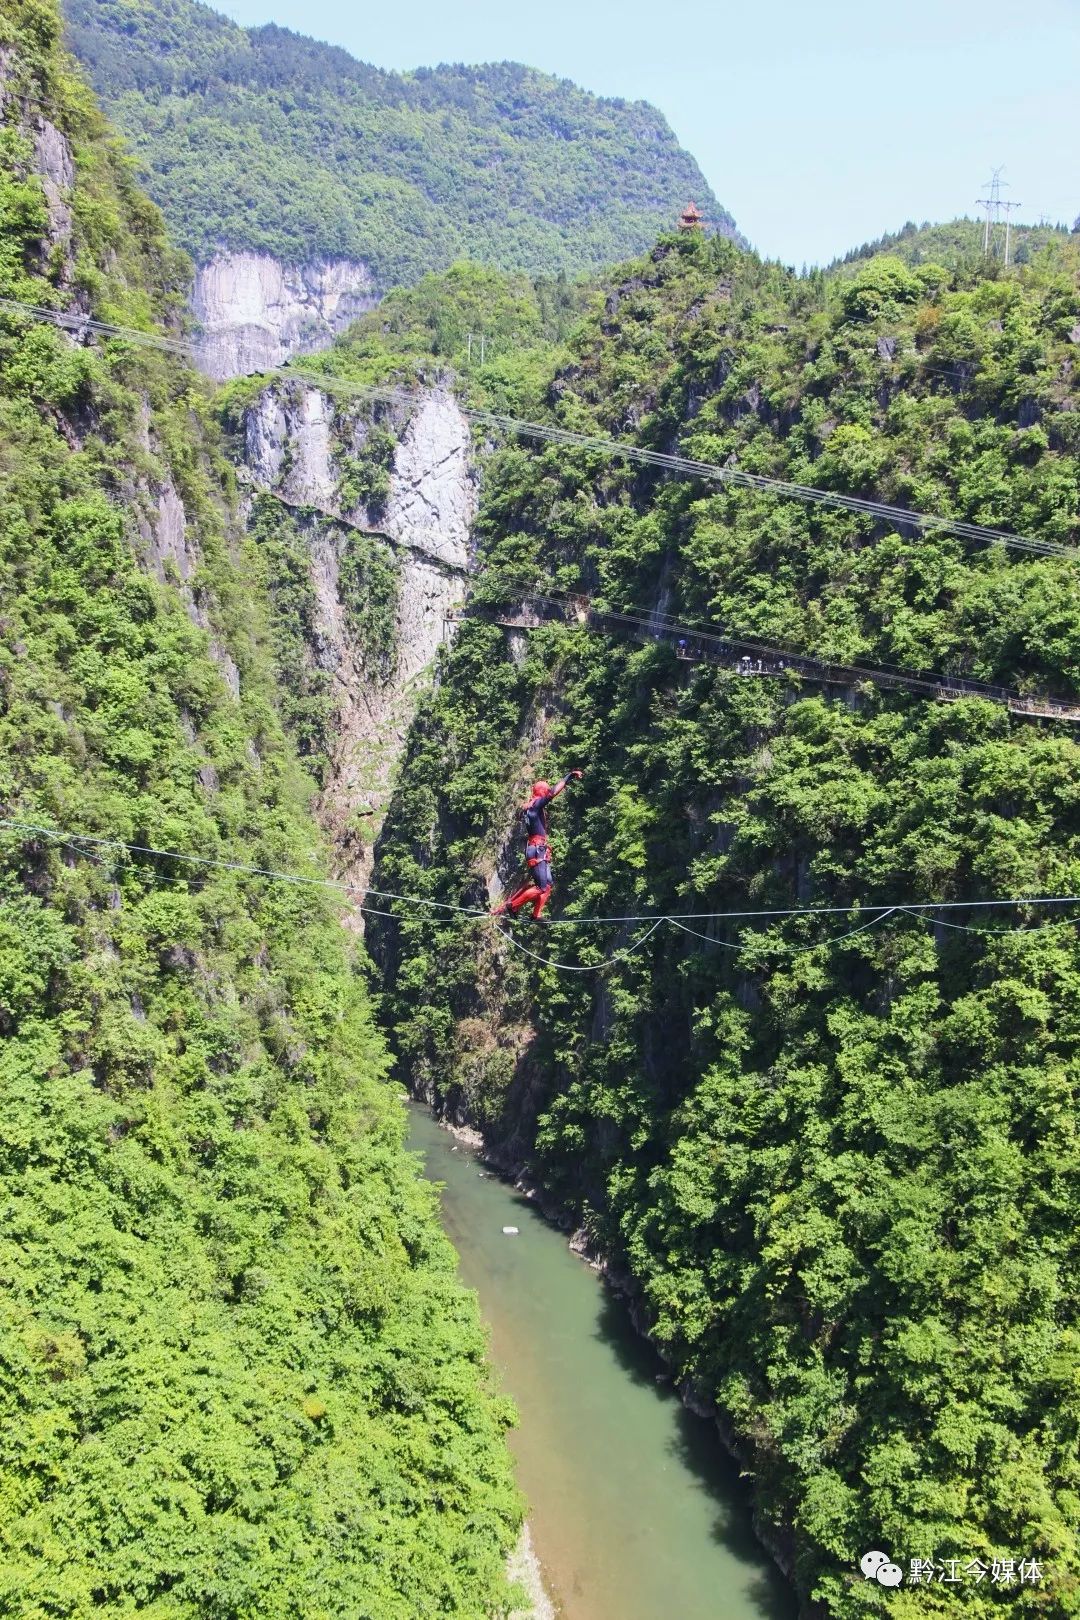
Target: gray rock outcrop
256,312
288,448
52,162
294,440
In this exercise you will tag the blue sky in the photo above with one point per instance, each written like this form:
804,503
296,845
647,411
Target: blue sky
818,125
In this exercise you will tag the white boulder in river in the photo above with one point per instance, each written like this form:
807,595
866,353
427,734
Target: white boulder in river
256,312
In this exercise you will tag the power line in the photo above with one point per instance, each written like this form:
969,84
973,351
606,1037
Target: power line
80,325
587,967
98,840
710,472
925,907
922,910
796,950
682,466
882,916
965,928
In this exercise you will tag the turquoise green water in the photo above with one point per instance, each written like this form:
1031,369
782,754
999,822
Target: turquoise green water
636,1512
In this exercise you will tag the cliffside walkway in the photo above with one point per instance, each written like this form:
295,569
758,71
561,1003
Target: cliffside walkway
755,659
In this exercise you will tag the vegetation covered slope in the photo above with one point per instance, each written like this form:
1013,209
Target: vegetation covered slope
962,244
238,1376
421,333
839,1169
263,139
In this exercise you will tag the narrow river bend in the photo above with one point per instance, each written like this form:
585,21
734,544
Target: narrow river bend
636,1512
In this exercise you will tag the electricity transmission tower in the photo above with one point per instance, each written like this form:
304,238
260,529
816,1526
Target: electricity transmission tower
1007,206
994,204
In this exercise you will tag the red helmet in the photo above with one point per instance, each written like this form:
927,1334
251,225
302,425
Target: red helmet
541,788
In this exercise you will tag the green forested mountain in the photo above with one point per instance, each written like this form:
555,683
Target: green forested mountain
238,1376
266,140
836,1164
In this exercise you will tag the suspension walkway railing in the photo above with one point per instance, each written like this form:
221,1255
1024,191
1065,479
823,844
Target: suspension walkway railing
755,659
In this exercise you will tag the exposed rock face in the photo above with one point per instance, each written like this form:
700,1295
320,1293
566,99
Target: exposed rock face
293,440
170,536
300,425
52,162
256,312
432,500
430,514
171,553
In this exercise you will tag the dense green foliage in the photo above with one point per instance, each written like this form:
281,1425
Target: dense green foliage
841,1174
282,547
419,333
368,586
421,336
238,1376
960,244
266,140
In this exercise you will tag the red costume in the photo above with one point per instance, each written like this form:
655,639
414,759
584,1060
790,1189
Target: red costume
538,885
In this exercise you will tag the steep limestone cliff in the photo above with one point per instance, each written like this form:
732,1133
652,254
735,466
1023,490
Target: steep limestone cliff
303,448
49,156
256,312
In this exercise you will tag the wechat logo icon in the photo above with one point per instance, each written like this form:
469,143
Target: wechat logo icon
878,1566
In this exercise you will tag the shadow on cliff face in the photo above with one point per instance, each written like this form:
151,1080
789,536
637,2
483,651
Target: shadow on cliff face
698,1448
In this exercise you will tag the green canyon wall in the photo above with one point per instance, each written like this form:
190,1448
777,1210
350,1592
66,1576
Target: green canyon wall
836,1170
237,1372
